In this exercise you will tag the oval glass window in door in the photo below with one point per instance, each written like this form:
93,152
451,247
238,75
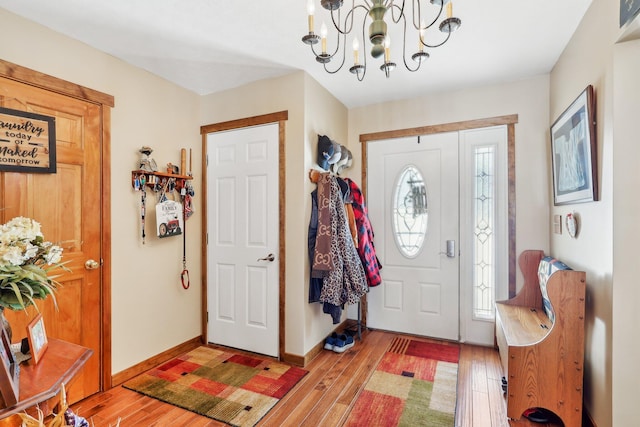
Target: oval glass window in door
409,212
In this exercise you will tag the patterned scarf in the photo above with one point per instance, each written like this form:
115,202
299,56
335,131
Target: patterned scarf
322,261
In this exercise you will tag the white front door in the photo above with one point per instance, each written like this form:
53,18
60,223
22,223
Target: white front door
413,207
243,230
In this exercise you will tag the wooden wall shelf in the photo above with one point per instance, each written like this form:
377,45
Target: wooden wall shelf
152,177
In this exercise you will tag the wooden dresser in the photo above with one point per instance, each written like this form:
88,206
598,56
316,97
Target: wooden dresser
542,351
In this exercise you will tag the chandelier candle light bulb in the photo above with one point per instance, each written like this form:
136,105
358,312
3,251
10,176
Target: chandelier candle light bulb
387,48
323,36
356,47
311,8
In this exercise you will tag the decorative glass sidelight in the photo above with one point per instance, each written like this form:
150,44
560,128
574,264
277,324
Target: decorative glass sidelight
484,245
409,211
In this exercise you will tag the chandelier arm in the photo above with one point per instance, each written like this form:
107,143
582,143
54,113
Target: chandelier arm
439,44
338,45
404,48
313,50
416,19
364,44
336,25
393,6
344,48
350,15
415,4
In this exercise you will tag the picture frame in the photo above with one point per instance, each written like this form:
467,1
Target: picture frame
574,152
628,11
27,142
9,372
37,336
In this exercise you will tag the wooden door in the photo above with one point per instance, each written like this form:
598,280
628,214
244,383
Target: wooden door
68,206
243,235
413,207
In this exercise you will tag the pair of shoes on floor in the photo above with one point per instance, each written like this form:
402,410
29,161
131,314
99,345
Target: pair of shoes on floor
339,343
538,415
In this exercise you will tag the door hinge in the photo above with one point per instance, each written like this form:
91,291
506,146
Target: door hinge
207,317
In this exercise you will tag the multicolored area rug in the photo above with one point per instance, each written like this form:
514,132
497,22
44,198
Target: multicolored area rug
413,385
229,387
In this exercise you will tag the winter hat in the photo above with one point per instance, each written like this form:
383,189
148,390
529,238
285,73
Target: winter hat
337,153
325,151
342,163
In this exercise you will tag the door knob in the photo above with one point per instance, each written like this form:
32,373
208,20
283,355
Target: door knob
269,258
91,264
451,249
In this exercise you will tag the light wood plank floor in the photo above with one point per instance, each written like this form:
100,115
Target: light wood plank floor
325,395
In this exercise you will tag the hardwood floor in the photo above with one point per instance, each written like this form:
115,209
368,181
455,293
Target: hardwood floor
324,396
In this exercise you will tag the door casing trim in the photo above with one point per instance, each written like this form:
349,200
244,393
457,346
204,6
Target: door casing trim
279,117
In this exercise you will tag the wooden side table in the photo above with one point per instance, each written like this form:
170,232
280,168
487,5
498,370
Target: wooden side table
40,384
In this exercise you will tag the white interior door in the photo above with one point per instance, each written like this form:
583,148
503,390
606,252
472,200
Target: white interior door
420,290
242,229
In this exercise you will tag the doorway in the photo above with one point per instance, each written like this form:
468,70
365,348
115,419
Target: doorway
244,257
73,207
414,214
416,293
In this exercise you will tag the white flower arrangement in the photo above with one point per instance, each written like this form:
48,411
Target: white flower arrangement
26,261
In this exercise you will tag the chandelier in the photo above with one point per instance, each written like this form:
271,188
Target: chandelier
424,15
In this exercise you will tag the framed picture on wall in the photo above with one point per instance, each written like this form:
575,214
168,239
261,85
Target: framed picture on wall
628,11
574,153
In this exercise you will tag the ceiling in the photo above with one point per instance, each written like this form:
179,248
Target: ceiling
208,46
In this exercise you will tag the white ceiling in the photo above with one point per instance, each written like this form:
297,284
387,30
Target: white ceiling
208,46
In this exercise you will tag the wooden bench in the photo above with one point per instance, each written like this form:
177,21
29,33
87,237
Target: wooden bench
542,350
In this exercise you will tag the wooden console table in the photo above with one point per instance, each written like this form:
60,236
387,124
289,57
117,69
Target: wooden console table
41,383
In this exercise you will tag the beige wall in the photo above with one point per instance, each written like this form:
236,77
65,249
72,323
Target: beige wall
324,115
312,111
588,60
626,232
529,99
151,311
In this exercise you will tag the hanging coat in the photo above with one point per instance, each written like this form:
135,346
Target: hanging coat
346,283
366,249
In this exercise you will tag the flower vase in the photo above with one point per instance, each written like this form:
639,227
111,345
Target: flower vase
5,324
